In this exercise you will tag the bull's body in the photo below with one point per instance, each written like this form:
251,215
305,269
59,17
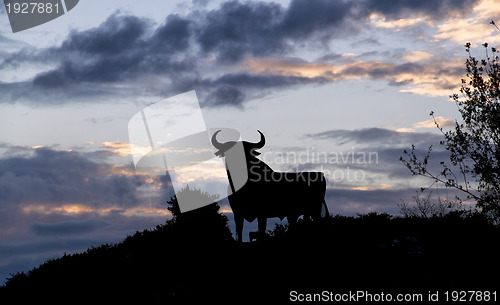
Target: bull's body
289,195
268,194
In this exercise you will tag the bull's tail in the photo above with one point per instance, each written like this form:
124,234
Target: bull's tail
324,209
320,212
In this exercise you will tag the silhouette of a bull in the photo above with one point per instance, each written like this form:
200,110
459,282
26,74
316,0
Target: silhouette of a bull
266,193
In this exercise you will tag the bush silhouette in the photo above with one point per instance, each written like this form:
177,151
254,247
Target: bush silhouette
193,259
204,224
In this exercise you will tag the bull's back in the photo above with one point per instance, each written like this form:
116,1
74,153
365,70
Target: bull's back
286,193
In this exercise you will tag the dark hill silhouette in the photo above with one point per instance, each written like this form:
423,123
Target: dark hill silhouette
192,259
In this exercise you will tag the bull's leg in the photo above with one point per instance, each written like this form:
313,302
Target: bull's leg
238,221
262,223
315,212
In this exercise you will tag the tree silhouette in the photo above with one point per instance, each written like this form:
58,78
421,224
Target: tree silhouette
474,143
202,224
425,207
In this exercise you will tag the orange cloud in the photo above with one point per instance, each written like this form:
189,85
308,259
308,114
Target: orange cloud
225,209
381,22
121,170
118,147
423,78
75,209
373,187
416,56
146,212
404,129
66,209
287,67
442,121
475,27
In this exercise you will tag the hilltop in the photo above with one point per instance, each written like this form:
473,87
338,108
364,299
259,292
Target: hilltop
188,261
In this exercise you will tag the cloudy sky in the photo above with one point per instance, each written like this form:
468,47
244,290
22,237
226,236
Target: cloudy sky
337,86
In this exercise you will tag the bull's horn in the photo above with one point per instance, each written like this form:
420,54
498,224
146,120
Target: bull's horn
216,143
262,141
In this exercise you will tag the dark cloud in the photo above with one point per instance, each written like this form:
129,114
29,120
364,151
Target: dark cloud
377,136
351,201
382,70
56,177
262,81
225,95
129,49
346,201
201,3
24,248
366,42
237,29
36,183
434,8
394,83
390,164
330,57
172,36
119,49
386,147
116,35
234,89
68,227
124,48
316,17
8,46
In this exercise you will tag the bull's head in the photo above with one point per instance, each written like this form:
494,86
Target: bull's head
249,148
239,157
